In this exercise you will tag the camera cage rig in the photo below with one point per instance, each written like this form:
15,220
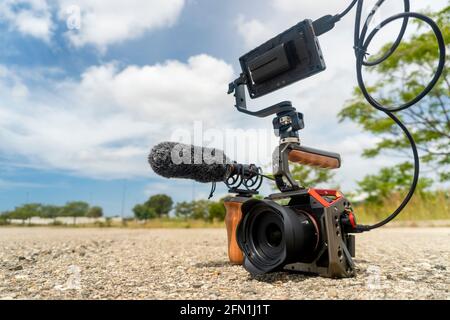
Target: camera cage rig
334,256
287,58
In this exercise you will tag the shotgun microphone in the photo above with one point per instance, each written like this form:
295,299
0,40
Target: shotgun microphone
177,160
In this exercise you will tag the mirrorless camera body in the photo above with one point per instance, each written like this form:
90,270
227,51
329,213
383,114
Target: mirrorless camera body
312,233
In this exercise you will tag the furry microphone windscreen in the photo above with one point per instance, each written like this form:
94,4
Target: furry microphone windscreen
176,160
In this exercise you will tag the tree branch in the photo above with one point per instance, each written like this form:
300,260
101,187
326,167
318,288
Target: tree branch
422,117
444,110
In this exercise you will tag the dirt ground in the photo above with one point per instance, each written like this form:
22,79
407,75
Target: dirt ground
64,263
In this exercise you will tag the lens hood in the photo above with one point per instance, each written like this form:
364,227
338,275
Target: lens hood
271,235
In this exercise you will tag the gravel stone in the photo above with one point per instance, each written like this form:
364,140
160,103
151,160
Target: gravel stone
57,263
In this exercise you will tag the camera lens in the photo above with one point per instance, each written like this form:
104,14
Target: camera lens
266,235
271,236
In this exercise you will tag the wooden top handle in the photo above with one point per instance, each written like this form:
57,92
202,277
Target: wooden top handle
315,158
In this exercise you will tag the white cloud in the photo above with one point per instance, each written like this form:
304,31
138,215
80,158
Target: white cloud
5,184
253,31
299,10
108,22
104,125
29,17
173,91
98,23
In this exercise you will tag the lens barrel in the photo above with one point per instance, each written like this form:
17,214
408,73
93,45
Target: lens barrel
271,236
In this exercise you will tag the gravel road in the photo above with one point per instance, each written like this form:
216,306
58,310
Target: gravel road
53,263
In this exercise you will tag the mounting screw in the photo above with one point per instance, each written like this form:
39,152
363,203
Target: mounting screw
284,121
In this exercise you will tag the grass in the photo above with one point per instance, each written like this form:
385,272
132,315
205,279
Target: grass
422,207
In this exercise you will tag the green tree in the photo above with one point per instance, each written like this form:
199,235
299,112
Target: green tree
27,211
217,210
19,213
200,210
390,181
4,217
160,203
401,78
95,212
75,209
50,212
184,210
143,212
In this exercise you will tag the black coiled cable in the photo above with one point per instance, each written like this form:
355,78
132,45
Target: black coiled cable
361,44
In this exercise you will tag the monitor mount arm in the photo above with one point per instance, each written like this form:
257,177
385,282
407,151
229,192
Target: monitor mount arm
286,125
238,88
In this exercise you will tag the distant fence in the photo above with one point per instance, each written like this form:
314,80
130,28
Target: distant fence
64,220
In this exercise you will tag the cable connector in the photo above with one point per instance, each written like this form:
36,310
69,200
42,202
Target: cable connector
325,24
361,228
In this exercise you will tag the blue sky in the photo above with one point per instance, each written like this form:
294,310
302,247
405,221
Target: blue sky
81,107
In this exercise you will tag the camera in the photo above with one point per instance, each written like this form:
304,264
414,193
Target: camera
309,234
299,229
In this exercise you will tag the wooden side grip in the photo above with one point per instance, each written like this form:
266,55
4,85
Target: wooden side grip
232,219
315,159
